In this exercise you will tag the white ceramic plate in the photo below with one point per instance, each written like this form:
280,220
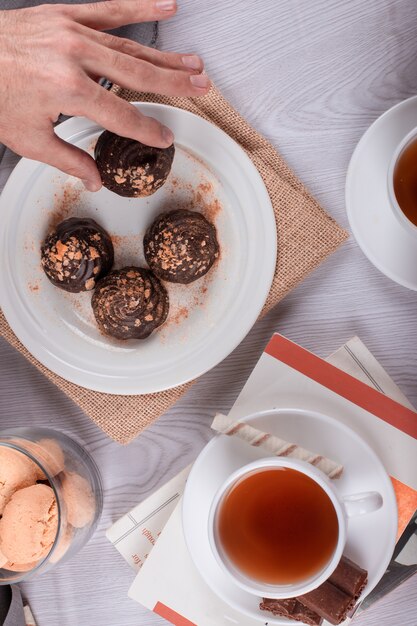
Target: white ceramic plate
380,235
370,538
207,320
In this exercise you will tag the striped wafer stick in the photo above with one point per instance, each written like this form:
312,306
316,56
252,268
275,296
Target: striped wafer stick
274,445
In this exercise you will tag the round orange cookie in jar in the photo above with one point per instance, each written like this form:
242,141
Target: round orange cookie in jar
50,500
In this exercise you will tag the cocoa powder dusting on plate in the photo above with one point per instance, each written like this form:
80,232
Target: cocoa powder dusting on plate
66,204
180,315
128,249
212,210
195,198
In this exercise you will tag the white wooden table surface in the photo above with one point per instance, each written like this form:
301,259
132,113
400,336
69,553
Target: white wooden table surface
311,76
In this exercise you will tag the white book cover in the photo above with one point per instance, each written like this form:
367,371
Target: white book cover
135,534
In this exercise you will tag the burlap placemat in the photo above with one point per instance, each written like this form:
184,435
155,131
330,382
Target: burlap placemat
307,235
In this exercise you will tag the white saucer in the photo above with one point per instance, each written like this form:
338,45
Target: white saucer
207,319
370,538
382,238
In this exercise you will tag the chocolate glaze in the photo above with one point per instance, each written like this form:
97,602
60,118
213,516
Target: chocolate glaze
181,246
130,168
130,303
76,254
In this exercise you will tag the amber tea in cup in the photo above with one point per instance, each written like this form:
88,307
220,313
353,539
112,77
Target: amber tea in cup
405,180
277,526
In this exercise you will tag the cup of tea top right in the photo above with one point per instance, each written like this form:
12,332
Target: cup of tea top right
402,183
381,193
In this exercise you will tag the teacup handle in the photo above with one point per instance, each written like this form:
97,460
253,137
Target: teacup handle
362,503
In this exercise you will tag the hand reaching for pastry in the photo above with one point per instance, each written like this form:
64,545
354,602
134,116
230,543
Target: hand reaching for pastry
50,58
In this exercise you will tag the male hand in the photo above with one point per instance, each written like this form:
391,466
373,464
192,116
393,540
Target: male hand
50,57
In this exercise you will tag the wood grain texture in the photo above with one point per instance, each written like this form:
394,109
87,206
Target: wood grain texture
311,76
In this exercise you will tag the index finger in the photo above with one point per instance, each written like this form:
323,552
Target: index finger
114,13
122,118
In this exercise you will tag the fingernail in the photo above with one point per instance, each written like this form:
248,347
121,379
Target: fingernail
166,5
91,185
200,80
167,135
192,61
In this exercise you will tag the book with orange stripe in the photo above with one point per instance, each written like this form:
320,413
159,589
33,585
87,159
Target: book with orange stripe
365,399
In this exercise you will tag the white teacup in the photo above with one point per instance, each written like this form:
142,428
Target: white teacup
344,506
398,212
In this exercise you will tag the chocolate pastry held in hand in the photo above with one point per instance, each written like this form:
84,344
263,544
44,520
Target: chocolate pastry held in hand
181,246
130,303
130,168
76,254
333,600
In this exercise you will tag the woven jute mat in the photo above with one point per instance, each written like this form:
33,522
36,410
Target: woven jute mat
306,234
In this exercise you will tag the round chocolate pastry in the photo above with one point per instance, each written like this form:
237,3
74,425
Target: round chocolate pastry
130,303
76,254
130,168
181,246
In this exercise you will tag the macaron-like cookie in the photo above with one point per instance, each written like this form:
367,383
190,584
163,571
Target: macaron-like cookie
48,452
79,500
16,472
29,524
51,456
64,543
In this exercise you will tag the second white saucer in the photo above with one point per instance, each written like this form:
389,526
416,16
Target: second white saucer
370,538
382,238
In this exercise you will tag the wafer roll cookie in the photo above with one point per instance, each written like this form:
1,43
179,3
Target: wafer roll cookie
274,445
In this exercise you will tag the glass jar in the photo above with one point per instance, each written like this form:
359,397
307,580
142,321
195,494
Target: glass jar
51,499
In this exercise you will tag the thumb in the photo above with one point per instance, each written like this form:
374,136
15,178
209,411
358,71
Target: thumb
69,159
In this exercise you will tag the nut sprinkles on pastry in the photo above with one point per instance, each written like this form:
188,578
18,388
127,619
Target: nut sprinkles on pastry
130,168
130,303
181,246
76,254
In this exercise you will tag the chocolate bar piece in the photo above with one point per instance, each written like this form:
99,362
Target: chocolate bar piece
293,609
333,600
349,577
329,602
